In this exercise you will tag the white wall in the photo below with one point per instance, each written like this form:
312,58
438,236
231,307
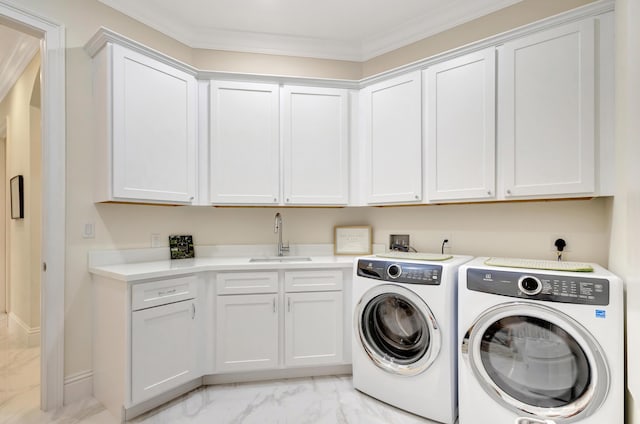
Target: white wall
625,242
496,229
522,229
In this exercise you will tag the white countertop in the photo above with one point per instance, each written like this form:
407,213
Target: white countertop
131,272
143,264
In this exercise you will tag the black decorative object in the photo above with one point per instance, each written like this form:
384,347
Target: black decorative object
181,247
17,197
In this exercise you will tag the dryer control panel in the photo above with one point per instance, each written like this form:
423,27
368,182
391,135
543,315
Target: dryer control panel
400,272
536,286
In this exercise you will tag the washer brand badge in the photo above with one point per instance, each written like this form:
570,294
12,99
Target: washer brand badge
601,313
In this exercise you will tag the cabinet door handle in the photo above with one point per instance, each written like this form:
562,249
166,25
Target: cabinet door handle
193,311
274,304
289,304
166,292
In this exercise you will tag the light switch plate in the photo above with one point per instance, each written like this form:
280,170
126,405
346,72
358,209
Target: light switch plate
155,240
89,230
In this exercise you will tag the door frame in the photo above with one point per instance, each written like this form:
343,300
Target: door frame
53,242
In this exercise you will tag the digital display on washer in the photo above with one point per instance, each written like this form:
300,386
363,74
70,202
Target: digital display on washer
549,287
400,272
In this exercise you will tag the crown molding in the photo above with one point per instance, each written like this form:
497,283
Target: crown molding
449,15
105,35
22,52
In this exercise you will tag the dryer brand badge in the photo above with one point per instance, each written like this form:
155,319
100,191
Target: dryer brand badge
601,313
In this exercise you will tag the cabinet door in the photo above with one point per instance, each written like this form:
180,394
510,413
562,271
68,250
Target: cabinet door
244,143
546,112
154,130
316,146
460,127
393,140
246,332
164,346
313,328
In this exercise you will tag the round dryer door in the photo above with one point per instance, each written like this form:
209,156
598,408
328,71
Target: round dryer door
397,330
534,359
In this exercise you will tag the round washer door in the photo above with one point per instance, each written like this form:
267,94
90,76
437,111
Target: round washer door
397,330
534,359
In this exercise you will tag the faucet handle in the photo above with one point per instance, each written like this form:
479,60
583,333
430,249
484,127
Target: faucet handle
285,247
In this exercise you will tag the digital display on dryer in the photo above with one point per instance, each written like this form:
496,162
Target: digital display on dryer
552,287
400,272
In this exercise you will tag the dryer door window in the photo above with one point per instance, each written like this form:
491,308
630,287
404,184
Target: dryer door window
537,360
397,330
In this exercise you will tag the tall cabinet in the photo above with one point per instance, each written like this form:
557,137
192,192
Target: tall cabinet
315,134
244,146
146,125
392,127
546,112
460,127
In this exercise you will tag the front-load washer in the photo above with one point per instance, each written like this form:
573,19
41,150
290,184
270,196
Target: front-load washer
404,340
541,342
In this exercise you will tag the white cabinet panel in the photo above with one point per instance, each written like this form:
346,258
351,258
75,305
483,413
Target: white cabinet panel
393,140
315,141
246,282
313,328
460,127
546,112
247,332
164,349
147,121
313,280
244,148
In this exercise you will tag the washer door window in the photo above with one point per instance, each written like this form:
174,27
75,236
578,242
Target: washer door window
397,330
536,360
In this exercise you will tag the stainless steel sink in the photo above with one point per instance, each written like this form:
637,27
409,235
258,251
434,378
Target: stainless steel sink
281,259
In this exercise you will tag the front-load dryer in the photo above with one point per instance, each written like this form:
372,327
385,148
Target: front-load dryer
541,342
404,340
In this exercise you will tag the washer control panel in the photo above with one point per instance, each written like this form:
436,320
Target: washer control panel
550,287
400,272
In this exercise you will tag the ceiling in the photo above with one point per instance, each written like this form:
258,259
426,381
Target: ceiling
16,51
334,29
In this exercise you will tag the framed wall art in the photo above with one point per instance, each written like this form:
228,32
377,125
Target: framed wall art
16,186
352,240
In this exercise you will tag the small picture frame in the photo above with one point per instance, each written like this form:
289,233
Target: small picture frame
352,240
181,246
16,186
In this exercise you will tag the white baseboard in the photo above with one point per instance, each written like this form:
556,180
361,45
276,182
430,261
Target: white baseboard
78,386
29,336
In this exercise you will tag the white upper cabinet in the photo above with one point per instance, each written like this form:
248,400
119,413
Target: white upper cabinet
546,112
146,121
244,147
460,128
392,129
315,131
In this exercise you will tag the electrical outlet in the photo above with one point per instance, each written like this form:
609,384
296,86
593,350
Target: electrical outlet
155,240
89,230
552,243
449,243
398,239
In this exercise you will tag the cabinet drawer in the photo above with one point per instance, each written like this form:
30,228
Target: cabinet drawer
147,295
246,282
302,281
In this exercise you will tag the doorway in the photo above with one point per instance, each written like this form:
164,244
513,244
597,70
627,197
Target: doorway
52,235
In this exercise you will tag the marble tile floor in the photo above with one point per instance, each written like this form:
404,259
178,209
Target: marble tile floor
318,400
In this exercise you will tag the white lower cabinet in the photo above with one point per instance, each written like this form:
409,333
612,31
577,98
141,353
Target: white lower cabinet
313,328
246,332
164,348
303,327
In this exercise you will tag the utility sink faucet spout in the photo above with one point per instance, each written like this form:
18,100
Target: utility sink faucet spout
282,248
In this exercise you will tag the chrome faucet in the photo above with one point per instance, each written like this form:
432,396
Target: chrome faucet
282,248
